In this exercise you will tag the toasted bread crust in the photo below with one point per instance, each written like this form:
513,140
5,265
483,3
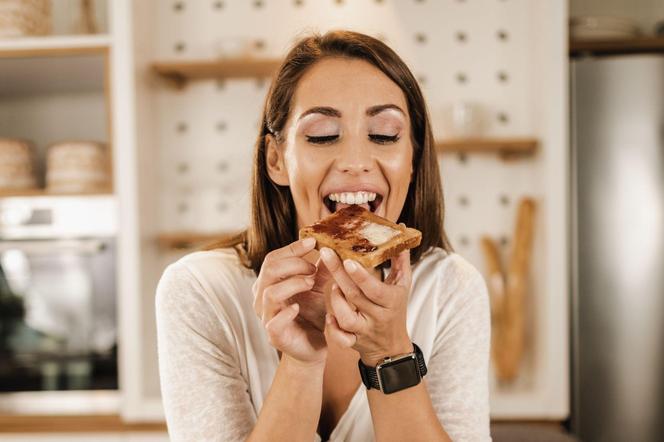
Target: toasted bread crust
340,232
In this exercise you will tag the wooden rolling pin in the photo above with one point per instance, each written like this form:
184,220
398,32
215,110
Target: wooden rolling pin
508,293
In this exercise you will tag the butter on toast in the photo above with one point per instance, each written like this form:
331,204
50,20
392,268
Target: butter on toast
356,233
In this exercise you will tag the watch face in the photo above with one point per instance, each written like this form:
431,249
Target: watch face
397,375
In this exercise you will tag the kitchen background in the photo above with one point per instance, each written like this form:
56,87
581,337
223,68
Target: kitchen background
126,135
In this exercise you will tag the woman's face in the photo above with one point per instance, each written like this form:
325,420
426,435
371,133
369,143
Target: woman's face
347,141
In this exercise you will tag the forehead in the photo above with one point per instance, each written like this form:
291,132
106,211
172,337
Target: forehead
342,83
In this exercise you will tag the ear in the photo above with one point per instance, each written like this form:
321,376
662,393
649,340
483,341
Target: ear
274,158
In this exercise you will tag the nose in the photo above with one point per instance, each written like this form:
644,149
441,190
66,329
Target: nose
355,158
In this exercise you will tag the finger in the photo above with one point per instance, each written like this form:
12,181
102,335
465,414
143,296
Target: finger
298,248
277,271
276,327
372,288
346,284
334,331
323,276
285,267
401,264
276,295
348,319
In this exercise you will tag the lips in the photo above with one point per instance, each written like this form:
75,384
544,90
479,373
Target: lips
366,197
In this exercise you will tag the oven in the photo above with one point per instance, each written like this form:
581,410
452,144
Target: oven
58,322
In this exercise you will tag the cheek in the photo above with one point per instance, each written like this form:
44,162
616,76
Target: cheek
306,172
397,171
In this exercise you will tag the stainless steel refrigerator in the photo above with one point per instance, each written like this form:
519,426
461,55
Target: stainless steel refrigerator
618,248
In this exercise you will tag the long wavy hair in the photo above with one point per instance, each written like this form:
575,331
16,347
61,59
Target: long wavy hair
273,215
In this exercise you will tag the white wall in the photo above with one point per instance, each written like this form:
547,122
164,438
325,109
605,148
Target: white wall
481,193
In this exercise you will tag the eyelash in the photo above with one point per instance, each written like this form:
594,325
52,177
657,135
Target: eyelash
328,139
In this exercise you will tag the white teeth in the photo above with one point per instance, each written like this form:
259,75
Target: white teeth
353,197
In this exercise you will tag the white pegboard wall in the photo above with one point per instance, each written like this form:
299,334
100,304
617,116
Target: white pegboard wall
479,51
439,40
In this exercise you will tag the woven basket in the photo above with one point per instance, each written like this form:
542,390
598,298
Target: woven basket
77,166
17,165
19,18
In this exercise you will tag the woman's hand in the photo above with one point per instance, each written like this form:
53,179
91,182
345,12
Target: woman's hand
292,312
377,328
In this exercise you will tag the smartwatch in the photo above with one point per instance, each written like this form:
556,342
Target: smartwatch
395,373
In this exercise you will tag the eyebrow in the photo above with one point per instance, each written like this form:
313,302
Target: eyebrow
332,112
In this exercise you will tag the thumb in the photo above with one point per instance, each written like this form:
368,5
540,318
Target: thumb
401,267
323,275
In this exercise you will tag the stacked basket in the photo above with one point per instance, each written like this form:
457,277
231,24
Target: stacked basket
77,167
17,165
20,18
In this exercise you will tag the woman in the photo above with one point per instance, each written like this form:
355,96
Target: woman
262,341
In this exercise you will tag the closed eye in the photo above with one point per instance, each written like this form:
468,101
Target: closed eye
327,139
384,139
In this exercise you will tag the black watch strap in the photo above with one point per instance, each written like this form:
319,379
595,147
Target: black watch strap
370,374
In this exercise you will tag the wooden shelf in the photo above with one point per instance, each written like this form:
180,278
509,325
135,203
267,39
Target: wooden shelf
54,45
189,240
637,45
74,423
506,147
179,72
44,192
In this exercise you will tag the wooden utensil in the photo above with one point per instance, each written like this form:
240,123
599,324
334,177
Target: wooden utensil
508,293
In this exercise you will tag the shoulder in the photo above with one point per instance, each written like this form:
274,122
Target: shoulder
205,265
204,278
451,267
455,280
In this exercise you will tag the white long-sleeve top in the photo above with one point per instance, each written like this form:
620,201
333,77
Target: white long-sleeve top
216,365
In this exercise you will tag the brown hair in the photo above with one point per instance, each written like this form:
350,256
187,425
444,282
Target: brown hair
273,220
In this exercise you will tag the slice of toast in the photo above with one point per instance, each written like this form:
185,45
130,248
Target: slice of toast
356,233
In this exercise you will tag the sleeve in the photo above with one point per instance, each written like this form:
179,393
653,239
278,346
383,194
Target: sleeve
457,381
204,394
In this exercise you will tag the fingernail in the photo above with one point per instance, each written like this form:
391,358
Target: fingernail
328,318
310,279
295,306
309,242
326,253
350,265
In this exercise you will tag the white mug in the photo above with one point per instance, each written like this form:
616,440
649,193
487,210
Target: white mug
464,120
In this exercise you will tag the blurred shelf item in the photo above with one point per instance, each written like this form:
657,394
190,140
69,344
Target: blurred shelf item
30,76
44,192
179,72
189,240
506,147
54,45
637,45
60,64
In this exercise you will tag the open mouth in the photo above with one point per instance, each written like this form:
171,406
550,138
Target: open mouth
369,200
